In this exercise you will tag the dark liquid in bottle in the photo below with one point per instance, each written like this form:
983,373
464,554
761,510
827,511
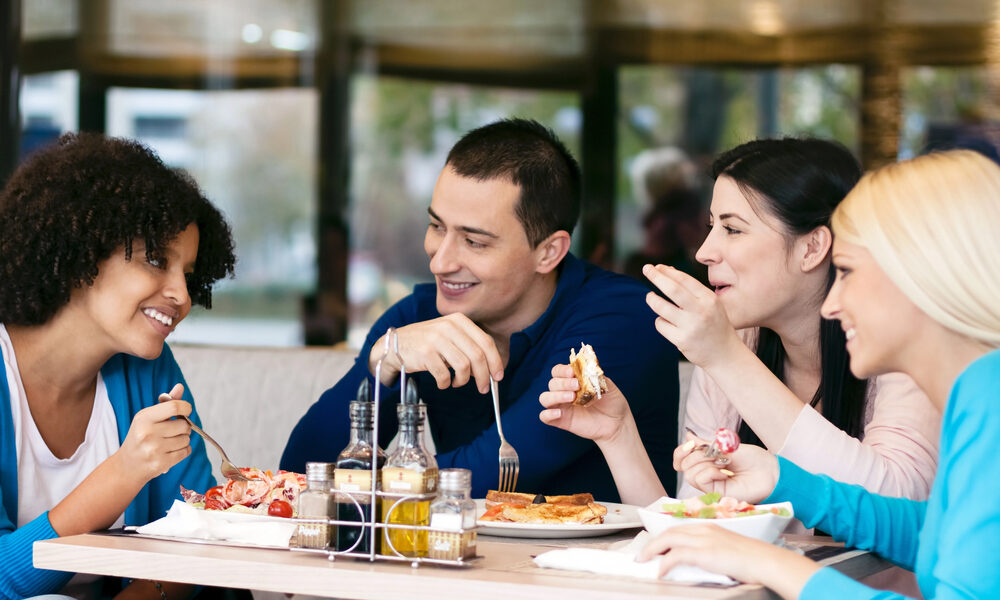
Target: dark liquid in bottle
348,511
347,535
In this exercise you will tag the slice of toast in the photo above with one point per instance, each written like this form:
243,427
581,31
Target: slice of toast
588,372
547,513
493,497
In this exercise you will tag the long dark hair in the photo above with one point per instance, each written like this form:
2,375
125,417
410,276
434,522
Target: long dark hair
801,182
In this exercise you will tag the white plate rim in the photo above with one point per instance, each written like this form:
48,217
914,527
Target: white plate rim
621,517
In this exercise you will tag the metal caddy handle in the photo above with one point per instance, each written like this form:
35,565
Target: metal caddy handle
372,526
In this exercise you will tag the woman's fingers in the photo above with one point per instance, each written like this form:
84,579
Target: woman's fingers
671,282
664,308
556,399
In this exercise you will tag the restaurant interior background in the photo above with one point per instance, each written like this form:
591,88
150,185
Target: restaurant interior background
319,126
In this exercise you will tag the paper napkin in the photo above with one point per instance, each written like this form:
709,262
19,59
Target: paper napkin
186,521
621,561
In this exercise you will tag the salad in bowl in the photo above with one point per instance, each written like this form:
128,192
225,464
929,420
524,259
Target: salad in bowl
760,521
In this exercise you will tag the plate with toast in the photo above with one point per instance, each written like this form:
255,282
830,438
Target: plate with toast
513,514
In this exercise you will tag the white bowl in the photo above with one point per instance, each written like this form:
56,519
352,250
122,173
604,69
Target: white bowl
766,527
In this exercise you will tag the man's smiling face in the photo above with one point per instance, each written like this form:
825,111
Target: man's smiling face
479,252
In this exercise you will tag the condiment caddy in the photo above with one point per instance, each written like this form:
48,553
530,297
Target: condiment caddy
402,517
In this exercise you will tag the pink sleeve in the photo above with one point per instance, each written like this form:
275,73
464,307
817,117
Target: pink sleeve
706,410
898,455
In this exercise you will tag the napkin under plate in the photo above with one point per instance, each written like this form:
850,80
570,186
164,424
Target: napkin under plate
186,521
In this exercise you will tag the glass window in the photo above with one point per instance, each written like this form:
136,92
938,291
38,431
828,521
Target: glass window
401,132
674,120
49,19
946,107
48,105
254,155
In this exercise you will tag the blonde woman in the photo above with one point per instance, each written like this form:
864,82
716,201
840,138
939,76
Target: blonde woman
918,278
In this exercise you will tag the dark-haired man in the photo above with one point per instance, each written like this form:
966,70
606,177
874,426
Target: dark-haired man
509,301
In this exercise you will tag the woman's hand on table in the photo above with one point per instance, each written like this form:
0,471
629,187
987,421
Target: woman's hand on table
715,549
602,419
693,318
751,474
156,441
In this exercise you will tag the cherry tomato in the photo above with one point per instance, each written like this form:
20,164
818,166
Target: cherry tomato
214,504
279,508
215,492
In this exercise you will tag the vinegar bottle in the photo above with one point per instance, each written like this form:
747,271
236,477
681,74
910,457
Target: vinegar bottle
352,479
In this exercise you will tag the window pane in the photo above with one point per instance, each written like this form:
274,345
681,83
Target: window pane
401,133
253,154
48,107
48,18
948,106
669,113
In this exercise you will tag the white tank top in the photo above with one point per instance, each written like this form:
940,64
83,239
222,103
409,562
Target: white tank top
42,479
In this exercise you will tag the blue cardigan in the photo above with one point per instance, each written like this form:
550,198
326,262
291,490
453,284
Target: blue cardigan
951,540
132,384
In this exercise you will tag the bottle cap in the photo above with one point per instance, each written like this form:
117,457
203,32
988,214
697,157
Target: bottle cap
361,411
319,470
411,415
455,479
410,396
364,391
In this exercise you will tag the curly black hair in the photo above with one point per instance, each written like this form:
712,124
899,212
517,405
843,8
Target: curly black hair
71,205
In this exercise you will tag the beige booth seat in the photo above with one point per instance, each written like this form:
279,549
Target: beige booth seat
250,398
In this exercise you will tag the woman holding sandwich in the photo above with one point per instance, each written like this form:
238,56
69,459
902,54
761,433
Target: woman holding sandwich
767,364
918,275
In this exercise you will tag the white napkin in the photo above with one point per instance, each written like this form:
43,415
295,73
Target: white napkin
621,561
186,521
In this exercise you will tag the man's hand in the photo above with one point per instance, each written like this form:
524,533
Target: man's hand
450,342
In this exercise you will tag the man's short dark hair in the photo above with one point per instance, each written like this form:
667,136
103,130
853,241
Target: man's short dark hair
530,156
71,205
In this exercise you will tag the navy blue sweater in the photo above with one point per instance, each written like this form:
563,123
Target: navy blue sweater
591,305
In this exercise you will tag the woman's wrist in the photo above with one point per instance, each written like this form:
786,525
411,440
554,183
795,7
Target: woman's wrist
727,354
625,437
787,573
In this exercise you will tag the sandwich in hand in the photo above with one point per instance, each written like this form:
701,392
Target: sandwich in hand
588,372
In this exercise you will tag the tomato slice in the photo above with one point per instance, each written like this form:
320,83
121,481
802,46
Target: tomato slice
214,504
279,508
215,492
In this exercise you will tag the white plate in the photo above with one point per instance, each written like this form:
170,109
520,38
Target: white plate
619,518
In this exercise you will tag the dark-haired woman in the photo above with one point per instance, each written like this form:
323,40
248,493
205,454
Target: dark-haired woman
103,251
767,364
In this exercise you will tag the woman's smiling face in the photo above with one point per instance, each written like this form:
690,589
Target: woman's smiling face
133,305
879,321
749,264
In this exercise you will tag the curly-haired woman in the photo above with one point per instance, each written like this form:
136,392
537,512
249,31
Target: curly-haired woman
103,251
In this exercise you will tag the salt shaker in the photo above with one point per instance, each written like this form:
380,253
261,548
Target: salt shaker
453,517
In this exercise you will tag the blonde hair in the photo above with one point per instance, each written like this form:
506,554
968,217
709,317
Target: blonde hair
933,225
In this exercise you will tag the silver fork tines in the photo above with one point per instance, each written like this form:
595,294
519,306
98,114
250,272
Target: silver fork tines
510,466
228,469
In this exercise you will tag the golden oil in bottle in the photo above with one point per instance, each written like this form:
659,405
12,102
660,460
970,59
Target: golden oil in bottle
407,542
409,480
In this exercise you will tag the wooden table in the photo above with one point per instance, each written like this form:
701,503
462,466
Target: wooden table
505,571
